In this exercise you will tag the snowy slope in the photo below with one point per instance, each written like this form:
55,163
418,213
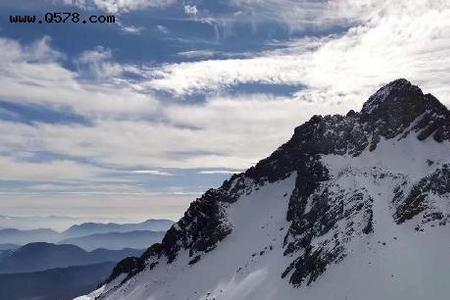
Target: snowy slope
352,207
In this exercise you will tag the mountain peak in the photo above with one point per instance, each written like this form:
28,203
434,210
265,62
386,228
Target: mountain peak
398,92
399,104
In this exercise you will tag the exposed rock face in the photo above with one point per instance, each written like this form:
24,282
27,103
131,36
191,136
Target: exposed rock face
200,229
418,199
326,211
395,111
203,225
128,265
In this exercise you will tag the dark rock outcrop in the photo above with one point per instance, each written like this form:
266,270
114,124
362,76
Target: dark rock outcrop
417,200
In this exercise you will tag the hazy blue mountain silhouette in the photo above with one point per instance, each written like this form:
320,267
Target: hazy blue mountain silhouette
22,237
139,239
53,284
95,228
42,256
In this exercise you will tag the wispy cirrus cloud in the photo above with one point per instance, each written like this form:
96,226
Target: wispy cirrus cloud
114,6
295,15
387,46
33,73
197,53
13,169
219,171
132,29
151,172
332,74
99,64
292,15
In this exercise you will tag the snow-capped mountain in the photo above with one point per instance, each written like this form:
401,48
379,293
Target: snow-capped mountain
351,207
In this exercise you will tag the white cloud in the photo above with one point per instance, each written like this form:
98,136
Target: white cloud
191,10
94,56
98,63
131,129
162,29
220,133
53,170
295,15
403,39
132,29
210,75
12,52
197,53
339,73
34,74
134,206
151,172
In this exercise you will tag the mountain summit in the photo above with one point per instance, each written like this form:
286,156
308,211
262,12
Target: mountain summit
351,207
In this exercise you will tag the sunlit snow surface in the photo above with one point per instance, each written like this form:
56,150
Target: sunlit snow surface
103,288
393,262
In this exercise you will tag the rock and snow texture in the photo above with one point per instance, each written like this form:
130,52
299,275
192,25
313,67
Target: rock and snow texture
352,207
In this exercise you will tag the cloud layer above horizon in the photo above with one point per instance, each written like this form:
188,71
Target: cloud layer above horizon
179,95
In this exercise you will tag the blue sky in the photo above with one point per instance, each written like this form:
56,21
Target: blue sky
135,119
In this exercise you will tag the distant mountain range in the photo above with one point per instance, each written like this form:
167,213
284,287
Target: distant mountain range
42,256
48,265
53,284
139,239
96,228
22,237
